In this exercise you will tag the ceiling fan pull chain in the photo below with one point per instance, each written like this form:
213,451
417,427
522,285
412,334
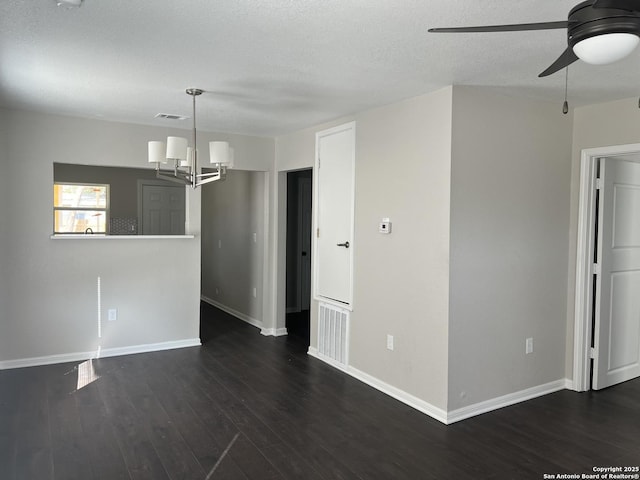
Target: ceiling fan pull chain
565,105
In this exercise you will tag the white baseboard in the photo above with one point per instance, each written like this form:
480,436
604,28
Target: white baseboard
274,332
438,413
312,351
239,315
505,401
267,332
401,395
406,398
99,353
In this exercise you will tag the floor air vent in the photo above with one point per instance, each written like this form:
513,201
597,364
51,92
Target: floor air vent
333,333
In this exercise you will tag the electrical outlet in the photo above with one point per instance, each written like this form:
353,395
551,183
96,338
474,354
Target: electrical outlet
384,226
390,342
112,314
529,345
255,292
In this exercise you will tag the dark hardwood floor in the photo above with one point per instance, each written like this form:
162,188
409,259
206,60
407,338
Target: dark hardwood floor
245,406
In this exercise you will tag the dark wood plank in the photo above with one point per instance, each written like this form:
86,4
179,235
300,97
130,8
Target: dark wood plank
177,458
70,453
138,452
32,439
244,406
103,451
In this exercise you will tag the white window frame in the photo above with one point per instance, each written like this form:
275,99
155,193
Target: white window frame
88,209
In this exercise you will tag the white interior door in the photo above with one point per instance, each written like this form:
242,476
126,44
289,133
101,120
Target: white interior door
617,310
334,187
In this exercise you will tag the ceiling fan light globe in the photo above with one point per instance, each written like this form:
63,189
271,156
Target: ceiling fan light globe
607,48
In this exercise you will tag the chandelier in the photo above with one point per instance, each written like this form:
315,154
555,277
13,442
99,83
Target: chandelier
183,158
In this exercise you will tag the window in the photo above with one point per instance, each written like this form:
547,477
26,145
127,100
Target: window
80,208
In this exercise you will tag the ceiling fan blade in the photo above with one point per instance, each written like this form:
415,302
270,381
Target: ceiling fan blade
519,27
564,60
630,5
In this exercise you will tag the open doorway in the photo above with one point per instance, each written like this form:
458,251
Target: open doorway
606,328
298,263
233,245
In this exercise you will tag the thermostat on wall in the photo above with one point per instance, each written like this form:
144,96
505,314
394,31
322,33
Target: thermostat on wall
384,226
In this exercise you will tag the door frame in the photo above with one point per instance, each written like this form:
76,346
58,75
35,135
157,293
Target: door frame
583,310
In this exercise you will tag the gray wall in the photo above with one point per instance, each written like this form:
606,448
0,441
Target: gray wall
52,305
478,194
497,168
401,280
49,287
509,232
232,262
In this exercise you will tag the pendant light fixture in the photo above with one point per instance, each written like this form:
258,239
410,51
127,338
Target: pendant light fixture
183,158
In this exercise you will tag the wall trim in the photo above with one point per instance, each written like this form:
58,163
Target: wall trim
569,385
239,315
404,397
274,332
437,413
267,332
505,401
99,353
313,352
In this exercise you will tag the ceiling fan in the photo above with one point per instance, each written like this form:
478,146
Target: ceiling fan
598,32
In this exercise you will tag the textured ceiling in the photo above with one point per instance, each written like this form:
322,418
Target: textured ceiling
274,66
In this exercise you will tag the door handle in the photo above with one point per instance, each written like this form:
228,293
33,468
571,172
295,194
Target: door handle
345,244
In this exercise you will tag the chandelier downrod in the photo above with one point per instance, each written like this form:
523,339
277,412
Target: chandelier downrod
194,92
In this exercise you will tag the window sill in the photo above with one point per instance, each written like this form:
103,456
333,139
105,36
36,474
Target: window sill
98,236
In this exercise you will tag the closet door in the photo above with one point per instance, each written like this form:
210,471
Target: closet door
333,232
